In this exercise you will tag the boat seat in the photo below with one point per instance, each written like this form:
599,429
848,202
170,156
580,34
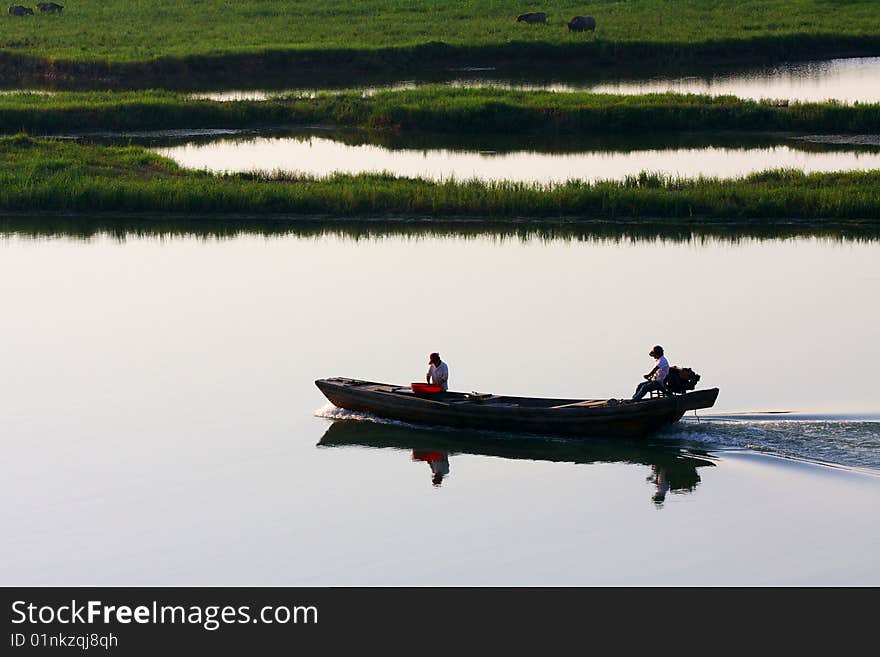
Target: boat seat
654,394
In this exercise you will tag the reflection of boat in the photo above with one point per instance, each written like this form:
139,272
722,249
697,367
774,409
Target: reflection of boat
672,468
584,417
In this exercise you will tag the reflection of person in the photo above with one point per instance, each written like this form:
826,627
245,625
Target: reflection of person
677,475
438,372
661,480
656,377
437,461
439,469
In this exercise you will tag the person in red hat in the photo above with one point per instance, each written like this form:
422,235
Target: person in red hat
438,372
656,377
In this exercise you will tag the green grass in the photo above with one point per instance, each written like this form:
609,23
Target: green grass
437,109
51,176
139,30
148,30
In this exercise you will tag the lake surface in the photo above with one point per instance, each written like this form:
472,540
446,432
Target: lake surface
321,156
160,424
847,80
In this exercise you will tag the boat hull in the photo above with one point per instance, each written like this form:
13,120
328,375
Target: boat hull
514,414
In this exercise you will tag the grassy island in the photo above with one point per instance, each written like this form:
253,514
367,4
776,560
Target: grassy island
437,109
63,177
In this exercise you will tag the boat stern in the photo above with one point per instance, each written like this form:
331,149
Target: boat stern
697,399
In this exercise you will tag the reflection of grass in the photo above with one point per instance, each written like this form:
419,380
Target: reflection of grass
543,229
39,175
554,142
142,30
434,108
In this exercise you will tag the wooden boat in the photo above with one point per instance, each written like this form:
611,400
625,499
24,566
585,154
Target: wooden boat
568,417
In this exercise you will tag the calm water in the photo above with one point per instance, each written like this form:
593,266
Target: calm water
846,80
161,424
319,156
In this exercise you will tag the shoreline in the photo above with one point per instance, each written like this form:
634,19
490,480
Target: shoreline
314,66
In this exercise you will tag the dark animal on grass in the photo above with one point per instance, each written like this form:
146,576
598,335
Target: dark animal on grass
582,23
49,7
532,17
18,10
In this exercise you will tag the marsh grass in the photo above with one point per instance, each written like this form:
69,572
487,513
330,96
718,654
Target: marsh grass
54,176
433,108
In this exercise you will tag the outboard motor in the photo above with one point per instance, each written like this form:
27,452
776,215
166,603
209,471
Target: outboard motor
681,379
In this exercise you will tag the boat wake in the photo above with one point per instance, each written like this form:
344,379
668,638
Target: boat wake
331,412
851,443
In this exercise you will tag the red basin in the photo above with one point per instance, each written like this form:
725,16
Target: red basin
425,388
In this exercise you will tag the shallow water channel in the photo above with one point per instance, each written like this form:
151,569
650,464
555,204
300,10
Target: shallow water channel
849,80
317,155
158,393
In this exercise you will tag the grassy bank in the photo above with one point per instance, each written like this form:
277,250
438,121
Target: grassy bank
160,42
438,109
49,176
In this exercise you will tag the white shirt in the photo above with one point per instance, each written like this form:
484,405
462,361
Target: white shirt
662,369
439,375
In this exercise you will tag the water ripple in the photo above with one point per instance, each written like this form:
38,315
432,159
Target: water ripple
852,443
847,442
